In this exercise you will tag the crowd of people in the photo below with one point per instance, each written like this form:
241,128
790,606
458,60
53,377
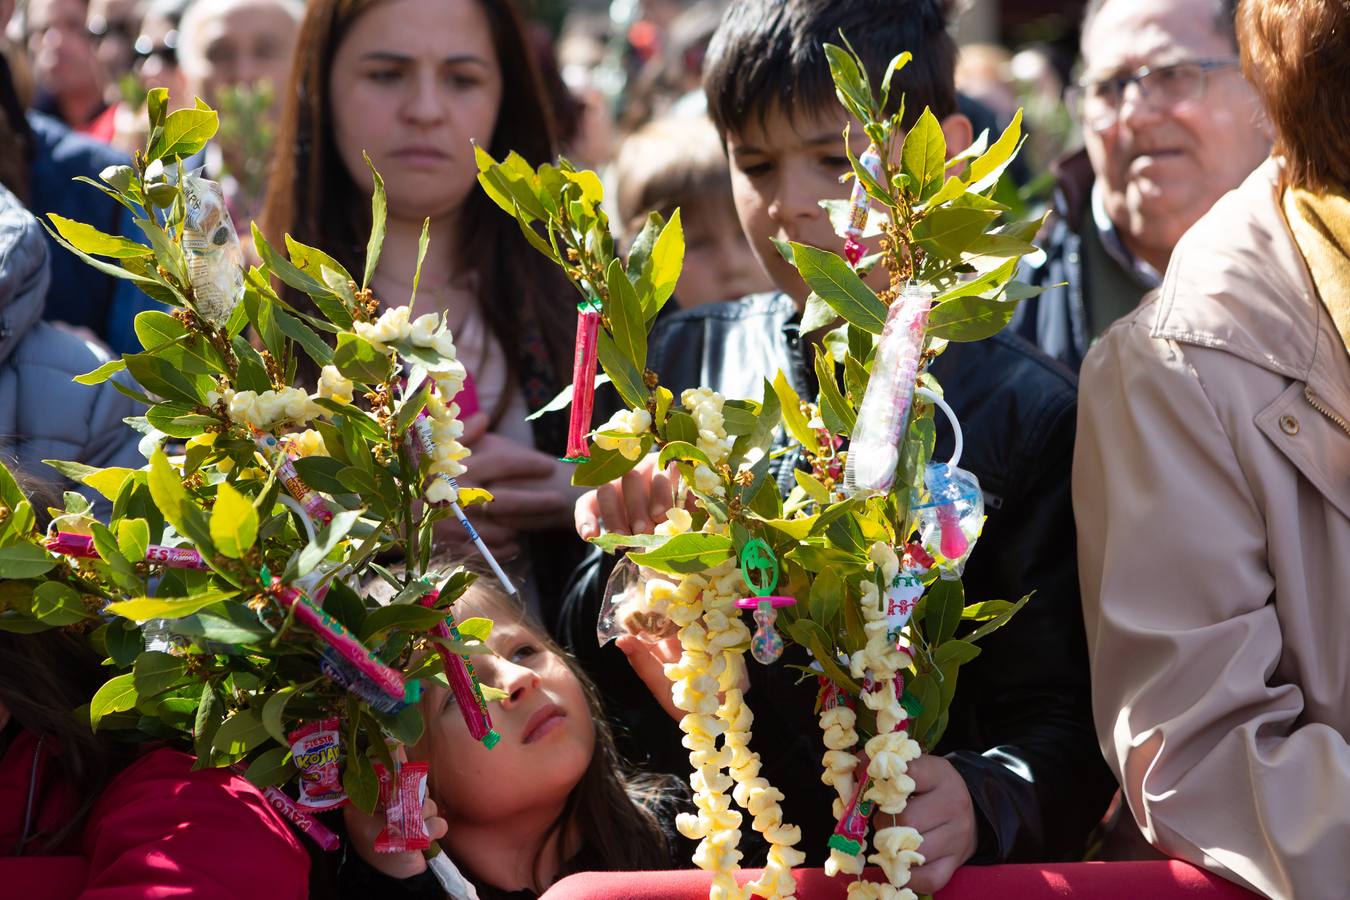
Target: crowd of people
1161,435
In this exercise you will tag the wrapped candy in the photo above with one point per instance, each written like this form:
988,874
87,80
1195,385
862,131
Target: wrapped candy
874,451
859,206
214,258
851,828
953,516
314,505
402,794
82,545
459,672
583,381
317,751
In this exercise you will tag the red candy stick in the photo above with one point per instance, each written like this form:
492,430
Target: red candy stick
459,672
82,545
332,632
583,382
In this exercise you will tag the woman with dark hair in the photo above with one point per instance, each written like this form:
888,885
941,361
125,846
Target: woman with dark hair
83,815
550,799
1212,490
412,84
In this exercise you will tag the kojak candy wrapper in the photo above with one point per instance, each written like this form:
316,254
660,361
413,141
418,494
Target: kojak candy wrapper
402,796
317,750
214,258
883,415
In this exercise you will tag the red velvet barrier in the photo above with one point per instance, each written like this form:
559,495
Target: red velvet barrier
1155,880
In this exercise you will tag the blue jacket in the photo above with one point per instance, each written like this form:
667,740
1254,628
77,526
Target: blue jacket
43,413
80,294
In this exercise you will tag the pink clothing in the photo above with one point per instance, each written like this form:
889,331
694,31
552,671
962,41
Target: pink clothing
160,830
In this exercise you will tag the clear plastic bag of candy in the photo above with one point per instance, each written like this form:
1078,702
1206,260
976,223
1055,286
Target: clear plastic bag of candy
636,601
951,515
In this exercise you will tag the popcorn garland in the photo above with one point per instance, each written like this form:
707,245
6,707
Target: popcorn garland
706,408
623,432
887,754
713,639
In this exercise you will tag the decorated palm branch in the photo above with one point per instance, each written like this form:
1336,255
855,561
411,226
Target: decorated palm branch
860,563
227,589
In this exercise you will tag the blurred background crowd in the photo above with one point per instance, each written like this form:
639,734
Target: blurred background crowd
623,79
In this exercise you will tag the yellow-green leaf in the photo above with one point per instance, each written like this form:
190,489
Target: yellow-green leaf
234,522
116,695
90,240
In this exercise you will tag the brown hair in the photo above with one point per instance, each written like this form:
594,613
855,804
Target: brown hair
669,163
612,812
314,199
45,680
1297,54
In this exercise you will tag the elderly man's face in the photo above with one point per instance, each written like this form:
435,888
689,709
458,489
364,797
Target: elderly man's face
1168,156
245,44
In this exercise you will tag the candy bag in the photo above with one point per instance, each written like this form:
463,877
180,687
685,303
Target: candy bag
214,258
952,516
317,750
635,602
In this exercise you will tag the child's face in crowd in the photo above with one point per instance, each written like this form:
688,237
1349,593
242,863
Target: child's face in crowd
783,167
412,84
547,736
780,171
718,262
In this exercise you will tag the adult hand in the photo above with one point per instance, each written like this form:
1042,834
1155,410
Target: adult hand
362,829
941,810
633,504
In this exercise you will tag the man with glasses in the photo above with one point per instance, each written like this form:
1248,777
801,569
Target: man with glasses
1169,126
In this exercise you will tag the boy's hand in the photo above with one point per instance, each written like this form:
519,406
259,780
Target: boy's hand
362,829
941,810
633,504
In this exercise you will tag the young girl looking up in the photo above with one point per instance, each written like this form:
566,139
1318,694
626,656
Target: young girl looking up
413,84
548,800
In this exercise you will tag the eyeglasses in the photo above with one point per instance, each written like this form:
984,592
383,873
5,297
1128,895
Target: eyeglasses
1097,103
167,52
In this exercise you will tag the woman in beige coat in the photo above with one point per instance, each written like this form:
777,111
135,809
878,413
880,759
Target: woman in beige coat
1212,491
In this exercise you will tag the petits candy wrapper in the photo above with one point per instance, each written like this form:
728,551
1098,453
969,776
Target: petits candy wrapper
215,260
317,749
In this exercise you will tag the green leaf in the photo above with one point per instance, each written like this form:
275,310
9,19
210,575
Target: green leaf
157,105
219,630
124,642
302,334
160,376
989,609
606,465
274,711
102,373
57,604
998,621
145,283
626,319
682,451
252,374
896,64
25,561
627,379
667,261
329,304
240,733
271,767
839,286
133,537
166,488
813,488
793,417
168,254
327,539
359,781
692,552
142,609
850,83
958,652
945,601
323,473
970,318
988,284
403,616
89,239
476,628
948,231
360,360
680,427
611,542
116,695
155,672
827,594
378,214
924,154
838,415
234,522
185,132
985,171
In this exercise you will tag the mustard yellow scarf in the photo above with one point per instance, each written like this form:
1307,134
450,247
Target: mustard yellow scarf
1321,227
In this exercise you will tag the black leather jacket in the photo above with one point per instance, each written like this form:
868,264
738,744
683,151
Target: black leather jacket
1020,731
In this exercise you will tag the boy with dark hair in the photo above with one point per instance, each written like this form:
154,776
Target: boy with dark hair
1018,775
